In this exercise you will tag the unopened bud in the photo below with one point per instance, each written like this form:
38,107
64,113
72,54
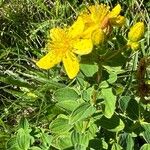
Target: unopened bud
136,32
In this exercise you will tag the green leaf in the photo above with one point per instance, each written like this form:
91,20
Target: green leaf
24,124
14,147
4,137
130,142
12,144
67,105
60,125
116,146
46,139
113,124
6,51
104,84
62,141
145,147
87,127
133,109
16,82
23,139
96,144
91,132
79,138
2,123
35,148
79,147
126,141
119,89
14,79
116,69
118,60
15,93
66,94
45,83
83,111
82,138
110,102
86,95
112,77
89,69
123,102
146,133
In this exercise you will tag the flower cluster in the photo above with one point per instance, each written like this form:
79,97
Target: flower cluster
91,27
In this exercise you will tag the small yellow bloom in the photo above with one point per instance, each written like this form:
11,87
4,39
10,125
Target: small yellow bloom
136,32
62,46
99,20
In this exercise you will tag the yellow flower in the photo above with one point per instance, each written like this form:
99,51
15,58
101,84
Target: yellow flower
99,20
136,32
93,18
62,46
114,17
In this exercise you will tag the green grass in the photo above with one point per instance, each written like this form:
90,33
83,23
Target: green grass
28,92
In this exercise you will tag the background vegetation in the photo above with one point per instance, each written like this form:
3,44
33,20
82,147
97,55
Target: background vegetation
45,110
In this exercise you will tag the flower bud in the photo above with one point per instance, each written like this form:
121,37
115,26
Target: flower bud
136,32
133,45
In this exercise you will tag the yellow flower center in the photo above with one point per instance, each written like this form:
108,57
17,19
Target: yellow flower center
62,45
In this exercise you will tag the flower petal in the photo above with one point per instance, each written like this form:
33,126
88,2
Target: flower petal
83,46
115,11
71,64
56,34
77,28
98,36
98,12
88,31
49,60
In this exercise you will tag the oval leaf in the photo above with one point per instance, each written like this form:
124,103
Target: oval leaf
110,102
81,112
113,124
89,69
67,105
145,147
23,139
116,146
60,125
66,94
